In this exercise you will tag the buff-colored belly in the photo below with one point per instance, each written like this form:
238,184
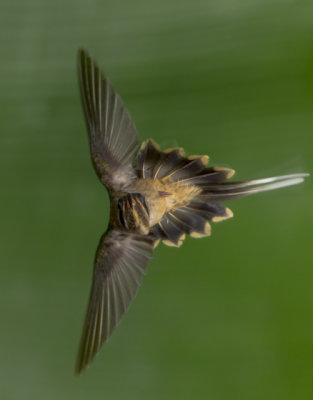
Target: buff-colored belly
165,195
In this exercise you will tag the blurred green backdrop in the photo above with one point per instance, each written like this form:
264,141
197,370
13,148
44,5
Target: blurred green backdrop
228,317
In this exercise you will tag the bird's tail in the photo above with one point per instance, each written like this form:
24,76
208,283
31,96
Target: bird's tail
230,190
213,187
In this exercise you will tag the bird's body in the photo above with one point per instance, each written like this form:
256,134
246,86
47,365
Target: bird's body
155,196
159,196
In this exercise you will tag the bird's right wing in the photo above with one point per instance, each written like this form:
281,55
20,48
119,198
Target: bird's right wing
121,261
112,133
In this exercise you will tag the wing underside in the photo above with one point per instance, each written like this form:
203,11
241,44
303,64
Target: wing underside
121,262
112,133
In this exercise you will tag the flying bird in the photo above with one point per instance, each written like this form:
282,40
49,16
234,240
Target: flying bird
155,195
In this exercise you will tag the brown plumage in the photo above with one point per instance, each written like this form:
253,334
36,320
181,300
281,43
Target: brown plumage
155,196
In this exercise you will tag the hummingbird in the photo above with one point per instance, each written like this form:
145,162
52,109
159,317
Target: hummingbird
155,196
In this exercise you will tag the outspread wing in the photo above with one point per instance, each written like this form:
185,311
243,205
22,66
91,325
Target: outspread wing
121,261
112,133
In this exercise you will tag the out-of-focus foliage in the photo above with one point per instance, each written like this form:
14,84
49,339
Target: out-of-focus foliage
226,317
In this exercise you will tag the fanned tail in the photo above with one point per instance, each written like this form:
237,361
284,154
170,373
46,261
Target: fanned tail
193,216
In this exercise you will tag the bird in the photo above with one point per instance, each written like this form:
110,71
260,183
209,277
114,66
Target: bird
155,196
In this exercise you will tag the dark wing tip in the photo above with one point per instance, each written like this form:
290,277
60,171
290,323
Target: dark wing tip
81,50
82,364
82,53
82,56
80,367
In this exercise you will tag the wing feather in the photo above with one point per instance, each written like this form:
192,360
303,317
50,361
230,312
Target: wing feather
112,133
121,262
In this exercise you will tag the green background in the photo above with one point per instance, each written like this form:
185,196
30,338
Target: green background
227,317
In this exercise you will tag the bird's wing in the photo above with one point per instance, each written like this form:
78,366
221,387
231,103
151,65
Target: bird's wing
112,133
121,261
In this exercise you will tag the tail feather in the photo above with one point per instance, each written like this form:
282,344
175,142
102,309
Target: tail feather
187,169
209,211
231,190
169,231
173,232
194,216
209,176
155,164
169,161
148,157
189,221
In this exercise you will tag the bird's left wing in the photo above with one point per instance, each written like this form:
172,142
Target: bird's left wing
121,261
112,133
